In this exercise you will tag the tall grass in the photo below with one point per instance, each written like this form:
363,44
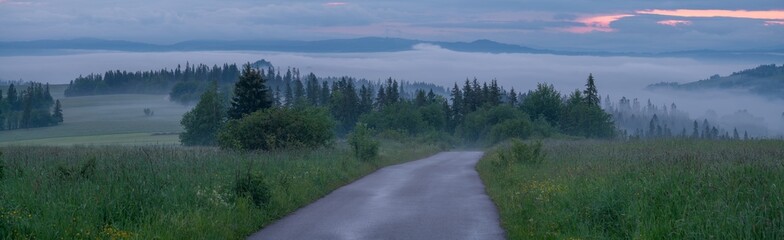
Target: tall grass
168,192
662,189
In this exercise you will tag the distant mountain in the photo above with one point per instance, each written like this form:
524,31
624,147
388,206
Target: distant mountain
765,80
354,45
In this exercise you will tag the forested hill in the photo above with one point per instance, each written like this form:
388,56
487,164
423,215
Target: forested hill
765,80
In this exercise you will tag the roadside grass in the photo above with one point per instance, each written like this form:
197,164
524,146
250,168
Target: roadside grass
168,192
659,189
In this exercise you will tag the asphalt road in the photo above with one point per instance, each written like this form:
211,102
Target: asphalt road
440,197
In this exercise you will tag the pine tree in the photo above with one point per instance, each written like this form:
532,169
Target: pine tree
512,97
420,99
591,94
457,105
57,114
289,94
365,99
13,99
28,110
250,94
313,89
696,133
324,97
495,93
381,98
299,91
735,134
431,96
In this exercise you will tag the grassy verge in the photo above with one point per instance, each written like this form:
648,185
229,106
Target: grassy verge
664,189
149,192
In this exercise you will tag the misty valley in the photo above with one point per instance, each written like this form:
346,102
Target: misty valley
531,119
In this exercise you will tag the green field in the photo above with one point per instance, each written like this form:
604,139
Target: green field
106,119
169,192
658,189
111,172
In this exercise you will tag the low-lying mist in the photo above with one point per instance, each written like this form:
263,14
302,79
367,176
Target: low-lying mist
615,76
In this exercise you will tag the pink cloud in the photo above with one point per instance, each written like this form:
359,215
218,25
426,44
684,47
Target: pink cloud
764,15
674,23
335,4
774,23
596,23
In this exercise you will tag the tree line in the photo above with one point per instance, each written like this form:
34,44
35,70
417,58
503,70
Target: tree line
182,85
29,108
474,112
649,121
188,84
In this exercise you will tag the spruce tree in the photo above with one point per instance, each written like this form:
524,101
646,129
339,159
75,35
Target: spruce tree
365,99
381,98
299,91
457,104
696,133
57,114
324,96
431,96
13,99
735,134
250,94
313,89
512,97
420,99
591,94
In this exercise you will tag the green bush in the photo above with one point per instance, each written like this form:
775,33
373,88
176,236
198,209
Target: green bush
519,152
512,128
365,148
253,187
279,128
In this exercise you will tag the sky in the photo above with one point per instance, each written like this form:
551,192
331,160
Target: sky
606,25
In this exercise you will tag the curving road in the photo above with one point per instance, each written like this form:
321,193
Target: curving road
439,197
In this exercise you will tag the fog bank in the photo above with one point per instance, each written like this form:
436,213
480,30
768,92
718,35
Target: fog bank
615,76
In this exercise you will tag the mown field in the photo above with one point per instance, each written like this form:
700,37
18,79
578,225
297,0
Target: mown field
169,192
112,119
660,189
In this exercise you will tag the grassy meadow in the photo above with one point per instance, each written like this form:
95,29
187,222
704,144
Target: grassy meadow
659,189
102,119
169,192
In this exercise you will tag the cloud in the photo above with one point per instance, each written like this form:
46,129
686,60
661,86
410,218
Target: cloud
599,23
763,15
335,4
674,23
774,23
554,24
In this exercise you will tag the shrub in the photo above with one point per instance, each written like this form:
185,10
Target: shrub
512,128
201,124
519,152
365,148
279,128
253,187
